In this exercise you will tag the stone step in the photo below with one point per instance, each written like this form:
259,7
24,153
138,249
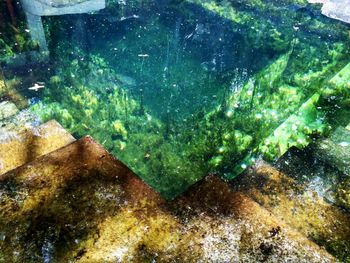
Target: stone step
299,205
19,148
334,150
80,204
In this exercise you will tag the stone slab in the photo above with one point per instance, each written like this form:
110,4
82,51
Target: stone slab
51,8
81,204
335,150
19,148
61,3
337,9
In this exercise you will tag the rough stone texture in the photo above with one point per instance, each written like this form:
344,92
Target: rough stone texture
209,224
18,123
342,194
335,150
7,109
337,9
299,205
61,7
59,3
335,153
80,204
19,148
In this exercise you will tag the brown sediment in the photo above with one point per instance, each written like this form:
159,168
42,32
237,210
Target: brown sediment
80,203
297,206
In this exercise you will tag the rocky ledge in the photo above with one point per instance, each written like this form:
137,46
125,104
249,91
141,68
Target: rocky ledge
336,9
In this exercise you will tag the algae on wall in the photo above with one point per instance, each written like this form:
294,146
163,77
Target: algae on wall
89,95
14,37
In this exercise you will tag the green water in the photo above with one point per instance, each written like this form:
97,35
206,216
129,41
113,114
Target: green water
179,90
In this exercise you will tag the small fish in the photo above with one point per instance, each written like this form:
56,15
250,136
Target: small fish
37,86
189,35
143,55
128,17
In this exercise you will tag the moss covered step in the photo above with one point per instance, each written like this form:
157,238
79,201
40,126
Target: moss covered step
299,203
335,153
80,204
335,150
19,148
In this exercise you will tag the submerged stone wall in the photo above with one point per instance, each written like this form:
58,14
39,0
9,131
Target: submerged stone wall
35,9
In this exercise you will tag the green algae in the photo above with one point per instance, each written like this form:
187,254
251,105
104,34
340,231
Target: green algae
298,130
297,93
175,138
14,38
225,139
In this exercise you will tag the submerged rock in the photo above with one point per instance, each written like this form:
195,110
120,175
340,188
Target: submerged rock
7,109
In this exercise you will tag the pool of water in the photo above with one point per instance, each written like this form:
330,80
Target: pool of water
179,90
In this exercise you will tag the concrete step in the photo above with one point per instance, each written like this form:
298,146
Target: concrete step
299,205
18,148
80,204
